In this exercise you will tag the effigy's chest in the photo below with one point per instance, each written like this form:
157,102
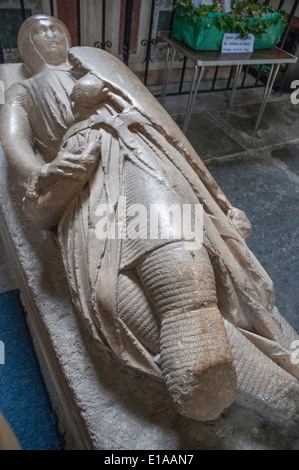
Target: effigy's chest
49,107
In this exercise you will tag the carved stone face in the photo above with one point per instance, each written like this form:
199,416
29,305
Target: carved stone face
50,41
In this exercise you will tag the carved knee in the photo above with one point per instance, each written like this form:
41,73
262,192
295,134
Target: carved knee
178,280
195,355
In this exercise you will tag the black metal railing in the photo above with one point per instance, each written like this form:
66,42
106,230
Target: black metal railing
259,73
52,7
151,41
103,43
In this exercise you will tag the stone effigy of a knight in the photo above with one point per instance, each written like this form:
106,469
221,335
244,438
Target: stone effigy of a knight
83,133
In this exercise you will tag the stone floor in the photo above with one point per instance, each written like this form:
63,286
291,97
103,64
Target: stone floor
259,172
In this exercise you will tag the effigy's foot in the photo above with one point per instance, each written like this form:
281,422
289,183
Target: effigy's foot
263,386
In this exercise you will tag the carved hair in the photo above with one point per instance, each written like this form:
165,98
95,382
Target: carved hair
28,49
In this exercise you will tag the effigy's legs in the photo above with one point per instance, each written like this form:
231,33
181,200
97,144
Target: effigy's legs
191,340
196,359
136,312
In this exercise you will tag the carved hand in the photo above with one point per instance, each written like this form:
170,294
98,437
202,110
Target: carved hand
72,166
48,195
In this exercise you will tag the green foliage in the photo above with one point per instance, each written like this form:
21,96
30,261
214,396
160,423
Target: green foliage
245,17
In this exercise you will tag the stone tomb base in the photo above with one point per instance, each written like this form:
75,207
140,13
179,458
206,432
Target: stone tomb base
99,403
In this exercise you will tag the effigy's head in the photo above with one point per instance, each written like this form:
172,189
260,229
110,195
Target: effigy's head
43,41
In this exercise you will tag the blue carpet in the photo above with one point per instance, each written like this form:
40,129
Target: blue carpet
24,401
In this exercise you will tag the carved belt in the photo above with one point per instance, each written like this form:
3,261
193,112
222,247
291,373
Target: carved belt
79,127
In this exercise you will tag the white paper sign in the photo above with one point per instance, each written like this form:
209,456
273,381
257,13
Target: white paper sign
226,5
232,43
196,3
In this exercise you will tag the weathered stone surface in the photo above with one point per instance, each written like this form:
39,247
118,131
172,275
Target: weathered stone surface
81,137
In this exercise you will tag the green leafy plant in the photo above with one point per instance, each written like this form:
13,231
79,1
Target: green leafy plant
245,17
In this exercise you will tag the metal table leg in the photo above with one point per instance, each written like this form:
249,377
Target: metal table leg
165,75
197,76
167,69
235,84
268,88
